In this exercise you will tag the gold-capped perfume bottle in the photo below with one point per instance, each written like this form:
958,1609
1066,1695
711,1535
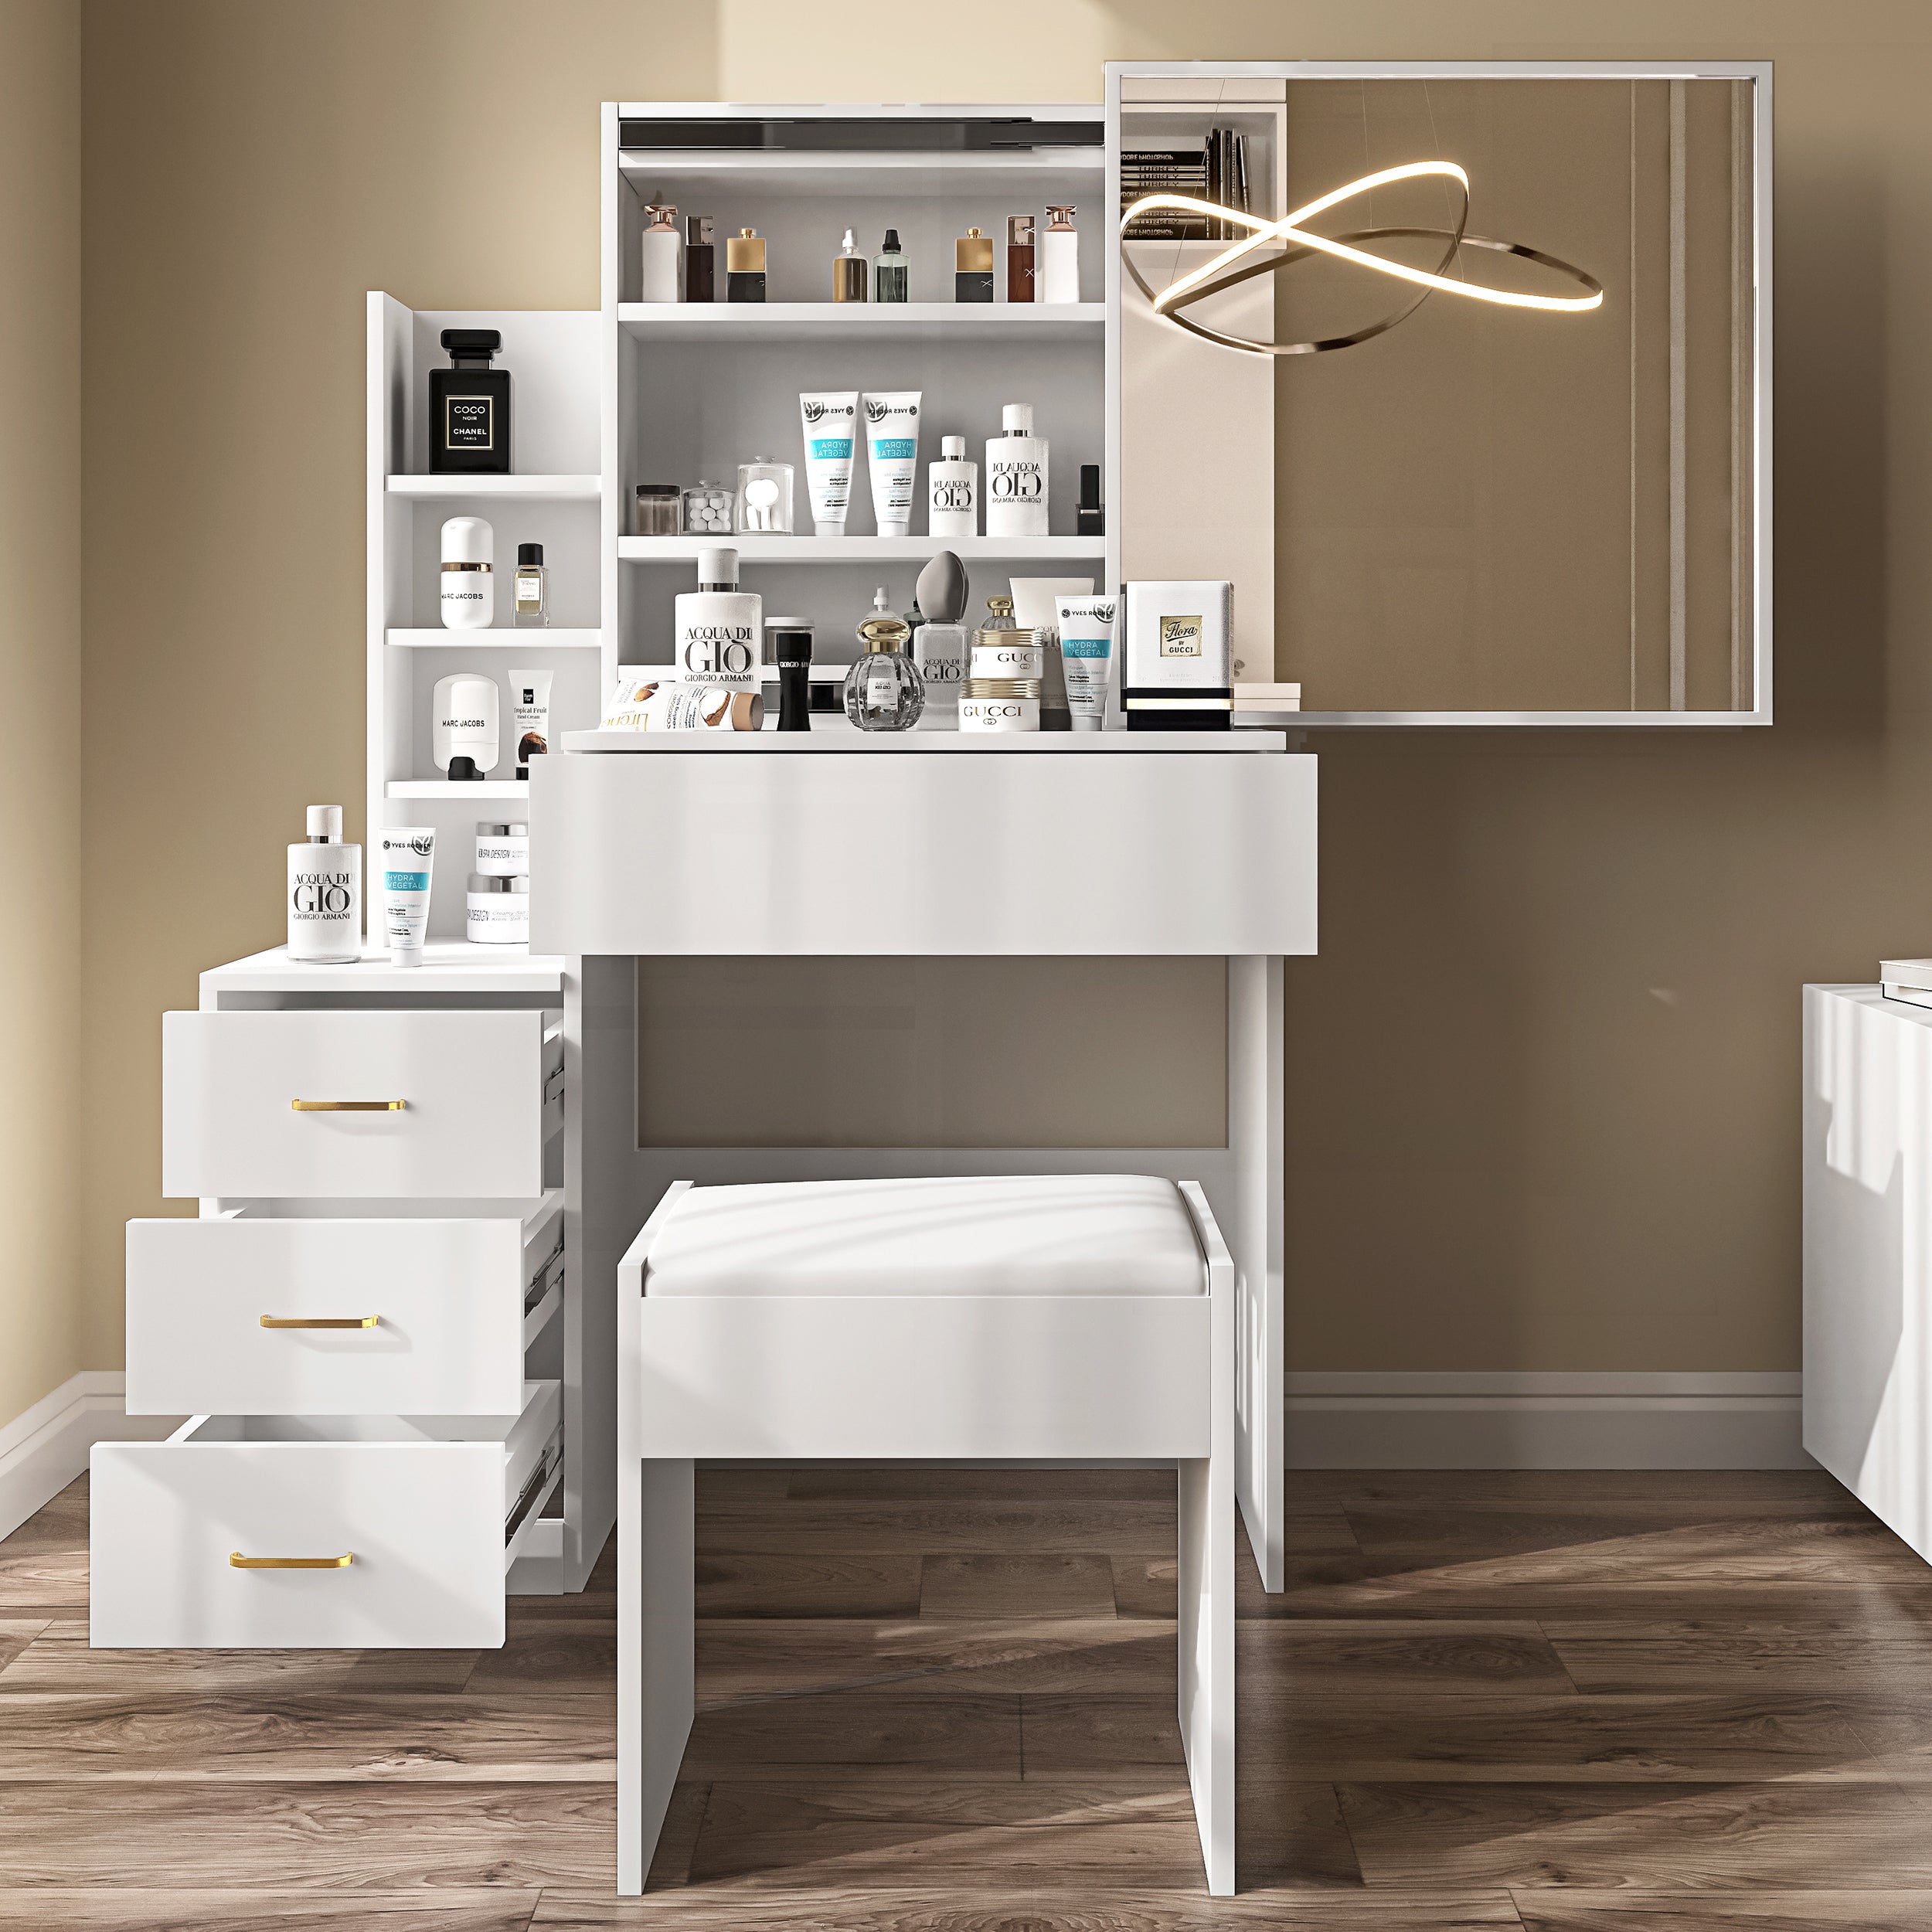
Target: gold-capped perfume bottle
973,267
884,691
745,267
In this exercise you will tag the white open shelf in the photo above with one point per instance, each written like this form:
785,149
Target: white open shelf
544,639
862,321
753,548
561,489
443,789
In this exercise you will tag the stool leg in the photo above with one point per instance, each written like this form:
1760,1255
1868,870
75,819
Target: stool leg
656,1655
1206,1579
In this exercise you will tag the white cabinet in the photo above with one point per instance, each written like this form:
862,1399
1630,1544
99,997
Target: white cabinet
377,1105
1868,1251
316,1317
371,1323
246,1531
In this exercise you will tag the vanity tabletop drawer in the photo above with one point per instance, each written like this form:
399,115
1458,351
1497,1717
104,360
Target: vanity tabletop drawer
372,1105
252,1532
365,1316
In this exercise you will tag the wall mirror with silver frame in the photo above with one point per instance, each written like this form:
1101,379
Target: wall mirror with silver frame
1484,438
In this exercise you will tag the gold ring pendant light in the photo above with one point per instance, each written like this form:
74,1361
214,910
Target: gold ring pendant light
1293,243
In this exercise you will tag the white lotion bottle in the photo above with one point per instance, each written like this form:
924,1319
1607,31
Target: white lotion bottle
468,584
718,630
952,492
1059,259
1016,476
324,893
661,249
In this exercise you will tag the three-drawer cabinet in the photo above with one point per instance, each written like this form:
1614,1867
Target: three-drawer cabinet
353,1326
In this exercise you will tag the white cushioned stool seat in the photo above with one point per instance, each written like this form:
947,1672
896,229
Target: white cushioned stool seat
1025,1234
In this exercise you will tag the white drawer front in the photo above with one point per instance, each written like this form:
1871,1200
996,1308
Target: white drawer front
470,1123
422,1523
446,1296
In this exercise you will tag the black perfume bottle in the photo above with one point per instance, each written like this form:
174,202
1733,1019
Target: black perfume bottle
791,640
700,260
470,407
1090,517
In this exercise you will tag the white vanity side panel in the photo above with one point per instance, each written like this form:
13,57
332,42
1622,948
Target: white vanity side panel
1159,852
447,1295
423,1522
472,1124
1868,1251
1257,1051
1048,1375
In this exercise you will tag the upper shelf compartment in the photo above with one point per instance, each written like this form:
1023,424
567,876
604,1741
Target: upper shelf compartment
913,153
863,321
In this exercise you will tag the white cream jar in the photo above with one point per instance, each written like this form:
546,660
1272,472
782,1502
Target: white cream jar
499,910
1000,705
502,850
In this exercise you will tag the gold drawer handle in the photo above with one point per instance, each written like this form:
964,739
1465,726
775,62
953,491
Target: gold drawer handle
347,1106
320,1321
237,1561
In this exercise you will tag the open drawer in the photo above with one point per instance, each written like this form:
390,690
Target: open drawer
349,1532
379,1105
361,1315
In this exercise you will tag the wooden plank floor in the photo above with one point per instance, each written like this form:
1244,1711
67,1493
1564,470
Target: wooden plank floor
944,1701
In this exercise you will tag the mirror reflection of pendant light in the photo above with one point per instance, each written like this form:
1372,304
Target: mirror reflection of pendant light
1292,242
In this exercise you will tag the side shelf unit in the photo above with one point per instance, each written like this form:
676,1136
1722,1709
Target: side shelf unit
550,497
691,390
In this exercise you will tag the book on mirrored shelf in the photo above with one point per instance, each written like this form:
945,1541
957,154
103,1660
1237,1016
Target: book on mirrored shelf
1914,973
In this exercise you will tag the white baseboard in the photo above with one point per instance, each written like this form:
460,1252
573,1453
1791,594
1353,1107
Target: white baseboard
43,1450
1658,1420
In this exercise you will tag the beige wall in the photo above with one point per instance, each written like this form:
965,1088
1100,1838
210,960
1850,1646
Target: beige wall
40,672
1543,1099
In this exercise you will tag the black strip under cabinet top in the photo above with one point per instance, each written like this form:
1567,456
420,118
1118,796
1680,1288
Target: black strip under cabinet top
940,134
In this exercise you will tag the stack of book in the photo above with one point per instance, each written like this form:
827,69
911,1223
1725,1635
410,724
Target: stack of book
1217,173
1907,980
1260,705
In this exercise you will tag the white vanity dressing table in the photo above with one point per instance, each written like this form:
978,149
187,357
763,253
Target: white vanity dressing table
418,1188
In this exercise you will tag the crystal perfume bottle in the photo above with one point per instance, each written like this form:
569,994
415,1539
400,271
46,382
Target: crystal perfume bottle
884,691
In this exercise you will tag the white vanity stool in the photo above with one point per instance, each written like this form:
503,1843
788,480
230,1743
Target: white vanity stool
1069,1317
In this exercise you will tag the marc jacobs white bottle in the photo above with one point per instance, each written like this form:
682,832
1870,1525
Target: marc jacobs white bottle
324,893
468,588
718,630
1016,476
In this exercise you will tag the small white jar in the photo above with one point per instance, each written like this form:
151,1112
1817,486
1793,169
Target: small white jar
1018,654
1000,705
499,910
502,850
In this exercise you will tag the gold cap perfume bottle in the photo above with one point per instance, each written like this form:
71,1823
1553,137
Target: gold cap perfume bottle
745,267
973,267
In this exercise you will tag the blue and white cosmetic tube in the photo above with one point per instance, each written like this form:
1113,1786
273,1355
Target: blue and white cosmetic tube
891,455
1086,653
830,418
406,855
